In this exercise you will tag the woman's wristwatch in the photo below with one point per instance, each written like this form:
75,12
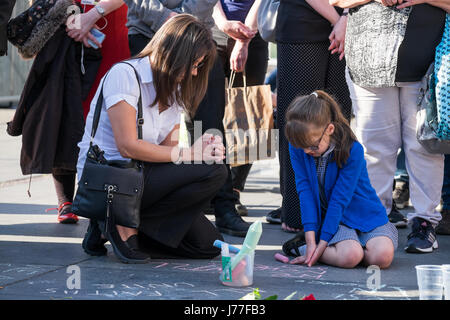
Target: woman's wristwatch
100,10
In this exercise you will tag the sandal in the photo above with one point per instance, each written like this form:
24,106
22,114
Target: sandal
290,247
65,215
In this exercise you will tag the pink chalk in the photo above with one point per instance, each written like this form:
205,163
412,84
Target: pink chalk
281,258
240,267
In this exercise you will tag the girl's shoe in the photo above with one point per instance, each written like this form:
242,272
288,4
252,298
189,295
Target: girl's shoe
65,214
291,247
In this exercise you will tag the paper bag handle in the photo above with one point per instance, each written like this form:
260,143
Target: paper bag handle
231,80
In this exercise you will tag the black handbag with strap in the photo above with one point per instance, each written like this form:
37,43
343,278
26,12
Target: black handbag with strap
110,190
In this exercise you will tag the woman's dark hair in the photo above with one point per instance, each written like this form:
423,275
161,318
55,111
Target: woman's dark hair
318,109
173,50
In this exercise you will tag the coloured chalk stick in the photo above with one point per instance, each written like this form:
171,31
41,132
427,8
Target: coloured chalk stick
232,249
281,258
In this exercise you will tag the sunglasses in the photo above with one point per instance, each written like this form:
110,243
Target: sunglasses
316,146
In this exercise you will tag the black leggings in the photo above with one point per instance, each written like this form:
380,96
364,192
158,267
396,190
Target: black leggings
172,223
302,69
64,185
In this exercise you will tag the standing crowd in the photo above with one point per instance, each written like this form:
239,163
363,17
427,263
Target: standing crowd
337,61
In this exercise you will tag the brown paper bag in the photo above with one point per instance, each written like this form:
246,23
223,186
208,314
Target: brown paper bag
248,123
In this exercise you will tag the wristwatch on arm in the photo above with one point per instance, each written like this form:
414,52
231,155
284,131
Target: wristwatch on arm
100,10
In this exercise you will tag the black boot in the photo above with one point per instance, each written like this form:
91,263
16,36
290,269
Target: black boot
231,223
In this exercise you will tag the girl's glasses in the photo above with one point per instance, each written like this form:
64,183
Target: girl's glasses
198,66
316,146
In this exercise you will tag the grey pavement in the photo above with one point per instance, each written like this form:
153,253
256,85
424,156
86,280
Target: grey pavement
41,259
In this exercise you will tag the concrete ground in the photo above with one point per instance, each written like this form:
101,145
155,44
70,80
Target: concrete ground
41,259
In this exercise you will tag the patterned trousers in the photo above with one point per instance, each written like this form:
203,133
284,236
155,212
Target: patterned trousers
302,69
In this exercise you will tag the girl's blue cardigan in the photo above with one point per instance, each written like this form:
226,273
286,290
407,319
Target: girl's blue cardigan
352,200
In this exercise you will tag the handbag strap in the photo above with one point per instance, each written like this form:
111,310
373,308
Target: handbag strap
232,76
98,107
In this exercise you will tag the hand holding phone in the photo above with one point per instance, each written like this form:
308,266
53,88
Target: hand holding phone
98,35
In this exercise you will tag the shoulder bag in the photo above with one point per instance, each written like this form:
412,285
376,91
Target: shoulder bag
110,190
267,19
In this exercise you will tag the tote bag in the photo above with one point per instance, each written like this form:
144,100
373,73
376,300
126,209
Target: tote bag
427,116
248,123
442,72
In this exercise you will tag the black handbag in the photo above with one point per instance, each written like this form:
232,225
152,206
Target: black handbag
110,191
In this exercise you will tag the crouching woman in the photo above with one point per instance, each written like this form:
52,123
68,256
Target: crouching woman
173,71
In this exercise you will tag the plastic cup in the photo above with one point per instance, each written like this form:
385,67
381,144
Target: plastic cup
446,276
242,274
430,281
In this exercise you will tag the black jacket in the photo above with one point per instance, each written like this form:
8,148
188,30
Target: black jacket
50,114
6,7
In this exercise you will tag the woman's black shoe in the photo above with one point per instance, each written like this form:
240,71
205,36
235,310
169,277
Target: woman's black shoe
93,243
127,251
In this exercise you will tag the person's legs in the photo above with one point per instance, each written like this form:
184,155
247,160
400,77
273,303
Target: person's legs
301,70
425,170
444,225
378,128
344,249
174,196
400,195
210,113
255,70
344,254
379,251
336,85
196,244
65,188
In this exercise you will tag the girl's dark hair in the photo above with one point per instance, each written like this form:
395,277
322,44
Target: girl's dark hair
318,109
174,49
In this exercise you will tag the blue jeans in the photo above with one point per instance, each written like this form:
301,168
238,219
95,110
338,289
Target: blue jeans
446,185
400,173
272,80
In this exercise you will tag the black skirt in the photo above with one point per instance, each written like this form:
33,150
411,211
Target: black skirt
302,69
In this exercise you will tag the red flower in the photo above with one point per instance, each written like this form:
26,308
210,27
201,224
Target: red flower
310,297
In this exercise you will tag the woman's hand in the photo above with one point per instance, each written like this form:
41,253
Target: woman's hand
337,37
389,3
409,3
239,55
79,25
237,30
207,148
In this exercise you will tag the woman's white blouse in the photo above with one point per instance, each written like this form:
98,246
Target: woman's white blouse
121,84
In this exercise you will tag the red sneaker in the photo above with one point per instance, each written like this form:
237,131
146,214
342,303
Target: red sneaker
64,213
